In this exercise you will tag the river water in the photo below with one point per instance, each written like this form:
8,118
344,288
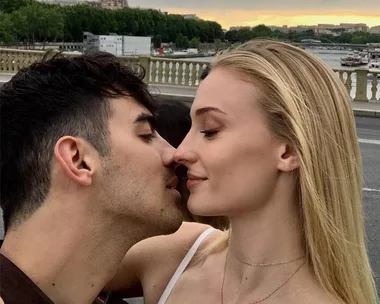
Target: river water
332,58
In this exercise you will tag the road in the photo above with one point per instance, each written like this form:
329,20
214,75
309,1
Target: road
368,130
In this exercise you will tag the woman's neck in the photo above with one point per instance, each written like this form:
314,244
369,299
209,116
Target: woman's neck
266,249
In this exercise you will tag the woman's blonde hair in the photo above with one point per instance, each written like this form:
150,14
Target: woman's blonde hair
307,105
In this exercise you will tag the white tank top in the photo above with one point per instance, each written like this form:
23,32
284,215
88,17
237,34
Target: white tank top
181,268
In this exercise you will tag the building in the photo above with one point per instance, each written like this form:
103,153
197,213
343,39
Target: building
375,29
301,28
337,30
103,43
117,45
114,4
282,29
64,2
94,3
109,4
134,45
191,17
237,28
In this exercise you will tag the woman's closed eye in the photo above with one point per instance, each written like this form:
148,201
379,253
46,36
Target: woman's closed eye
209,133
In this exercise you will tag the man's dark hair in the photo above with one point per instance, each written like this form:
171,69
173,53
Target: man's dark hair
173,122
56,97
205,72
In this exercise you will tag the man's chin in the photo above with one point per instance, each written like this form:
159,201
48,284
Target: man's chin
170,223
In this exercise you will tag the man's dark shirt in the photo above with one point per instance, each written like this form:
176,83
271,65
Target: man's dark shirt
16,287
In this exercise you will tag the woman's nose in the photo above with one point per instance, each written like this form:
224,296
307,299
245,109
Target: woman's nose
184,155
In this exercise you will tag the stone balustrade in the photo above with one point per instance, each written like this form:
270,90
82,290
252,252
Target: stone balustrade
13,60
175,72
361,84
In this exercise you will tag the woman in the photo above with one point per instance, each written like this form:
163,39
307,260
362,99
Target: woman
273,147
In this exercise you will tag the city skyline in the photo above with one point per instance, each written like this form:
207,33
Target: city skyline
286,12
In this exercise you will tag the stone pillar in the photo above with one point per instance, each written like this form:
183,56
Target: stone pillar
361,85
145,63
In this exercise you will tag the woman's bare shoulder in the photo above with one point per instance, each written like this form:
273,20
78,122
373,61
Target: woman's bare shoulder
171,247
154,259
159,257
161,251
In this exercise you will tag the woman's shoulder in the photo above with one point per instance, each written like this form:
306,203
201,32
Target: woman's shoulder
162,251
173,247
157,258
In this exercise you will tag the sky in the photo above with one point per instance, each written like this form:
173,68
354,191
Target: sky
272,12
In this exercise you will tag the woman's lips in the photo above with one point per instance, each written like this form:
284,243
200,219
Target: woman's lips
194,180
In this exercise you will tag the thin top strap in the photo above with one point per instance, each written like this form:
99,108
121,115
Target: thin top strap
185,262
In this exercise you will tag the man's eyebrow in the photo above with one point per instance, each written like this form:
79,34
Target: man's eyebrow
146,118
205,110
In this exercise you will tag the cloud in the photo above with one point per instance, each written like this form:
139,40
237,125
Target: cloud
229,18
283,5
272,12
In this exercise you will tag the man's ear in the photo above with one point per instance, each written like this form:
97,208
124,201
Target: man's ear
288,158
75,158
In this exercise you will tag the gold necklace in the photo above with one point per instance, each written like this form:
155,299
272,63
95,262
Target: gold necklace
266,264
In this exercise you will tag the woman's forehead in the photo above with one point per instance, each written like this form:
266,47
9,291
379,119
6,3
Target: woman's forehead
226,90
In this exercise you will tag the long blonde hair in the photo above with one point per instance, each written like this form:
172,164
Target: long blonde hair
307,105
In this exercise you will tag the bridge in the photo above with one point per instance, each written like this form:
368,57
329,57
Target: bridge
335,45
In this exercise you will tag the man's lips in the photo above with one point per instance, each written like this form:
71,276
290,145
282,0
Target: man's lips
172,183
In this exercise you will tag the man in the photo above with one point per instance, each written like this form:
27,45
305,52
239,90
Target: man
84,176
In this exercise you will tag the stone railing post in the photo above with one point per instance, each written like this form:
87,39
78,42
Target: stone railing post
145,63
361,85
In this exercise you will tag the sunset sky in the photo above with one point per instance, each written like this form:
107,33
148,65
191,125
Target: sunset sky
272,12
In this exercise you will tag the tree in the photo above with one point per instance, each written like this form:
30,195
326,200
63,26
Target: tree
344,38
217,44
84,18
182,42
157,41
244,34
19,26
51,23
194,43
261,31
33,14
9,6
5,28
357,39
231,36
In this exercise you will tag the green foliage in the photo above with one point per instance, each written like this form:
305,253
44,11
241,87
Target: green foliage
157,41
195,42
36,22
259,31
218,44
8,6
136,22
182,42
5,27
31,21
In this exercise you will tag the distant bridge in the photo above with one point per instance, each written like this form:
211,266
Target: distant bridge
335,45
